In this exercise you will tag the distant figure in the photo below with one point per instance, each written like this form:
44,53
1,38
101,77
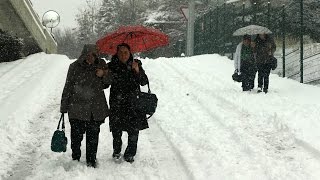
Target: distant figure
244,63
84,100
127,76
264,49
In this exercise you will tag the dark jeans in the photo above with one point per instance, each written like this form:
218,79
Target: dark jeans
131,149
92,130
263,76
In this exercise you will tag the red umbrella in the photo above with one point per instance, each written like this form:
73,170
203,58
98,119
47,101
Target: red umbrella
139,38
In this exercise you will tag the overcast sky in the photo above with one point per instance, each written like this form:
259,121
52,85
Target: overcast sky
67,9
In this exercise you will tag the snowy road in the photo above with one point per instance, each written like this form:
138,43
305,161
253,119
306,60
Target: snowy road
204,127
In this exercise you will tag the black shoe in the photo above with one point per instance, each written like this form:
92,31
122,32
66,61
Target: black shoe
129,159
116,156
76,159
259,90
265,91
92,164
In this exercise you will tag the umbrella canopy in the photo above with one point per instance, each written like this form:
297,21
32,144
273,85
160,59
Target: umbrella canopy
251,30
139,38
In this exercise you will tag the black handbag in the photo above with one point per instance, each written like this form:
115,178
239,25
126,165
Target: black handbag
274,62
237,77
59,140
145,103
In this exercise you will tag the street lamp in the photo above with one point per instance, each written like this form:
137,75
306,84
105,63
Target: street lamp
269,14
254,13
283,41
50,19
190,32
301,41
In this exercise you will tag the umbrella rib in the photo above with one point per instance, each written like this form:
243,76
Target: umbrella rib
130,33
144,42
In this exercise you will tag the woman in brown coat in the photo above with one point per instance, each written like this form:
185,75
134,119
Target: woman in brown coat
264,48
84,100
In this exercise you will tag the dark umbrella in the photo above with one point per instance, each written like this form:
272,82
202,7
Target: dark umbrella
139,38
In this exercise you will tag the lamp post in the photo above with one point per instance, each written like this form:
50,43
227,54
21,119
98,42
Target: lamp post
224,29
283,41
254,13
217,31
190,32
243,7
268,22
301,41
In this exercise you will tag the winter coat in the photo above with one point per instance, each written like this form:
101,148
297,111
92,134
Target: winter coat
243,59
237,57
83,93
264,50
125,84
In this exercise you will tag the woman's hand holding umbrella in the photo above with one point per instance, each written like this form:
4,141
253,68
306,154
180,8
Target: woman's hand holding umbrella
135,67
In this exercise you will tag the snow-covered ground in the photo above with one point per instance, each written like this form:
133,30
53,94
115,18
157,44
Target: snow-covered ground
205,127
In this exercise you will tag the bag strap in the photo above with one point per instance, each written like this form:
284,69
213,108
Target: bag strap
149,91
149,116
61,118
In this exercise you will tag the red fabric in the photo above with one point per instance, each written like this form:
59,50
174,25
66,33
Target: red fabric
139,38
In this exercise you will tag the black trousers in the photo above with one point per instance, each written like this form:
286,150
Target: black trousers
248,72
131,149
263,76
92,130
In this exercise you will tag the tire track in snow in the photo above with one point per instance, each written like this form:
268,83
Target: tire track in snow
234,136
157,131
308,147
37,135
228,104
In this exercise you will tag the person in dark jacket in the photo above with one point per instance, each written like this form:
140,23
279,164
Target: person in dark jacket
264,49
245,64
84,100
127,75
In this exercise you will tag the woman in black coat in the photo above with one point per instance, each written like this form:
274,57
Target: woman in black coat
127,76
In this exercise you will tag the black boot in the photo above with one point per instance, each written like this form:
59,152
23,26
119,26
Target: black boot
129,159
92,164
116,156
265,90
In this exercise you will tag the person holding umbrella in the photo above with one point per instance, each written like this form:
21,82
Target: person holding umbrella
84,100
264,49
127,75
244,63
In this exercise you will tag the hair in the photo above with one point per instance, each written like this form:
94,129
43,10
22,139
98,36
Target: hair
87,49
115,56
246,37
267,37
123,45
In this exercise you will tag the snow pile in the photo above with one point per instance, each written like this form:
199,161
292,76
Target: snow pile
205,127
